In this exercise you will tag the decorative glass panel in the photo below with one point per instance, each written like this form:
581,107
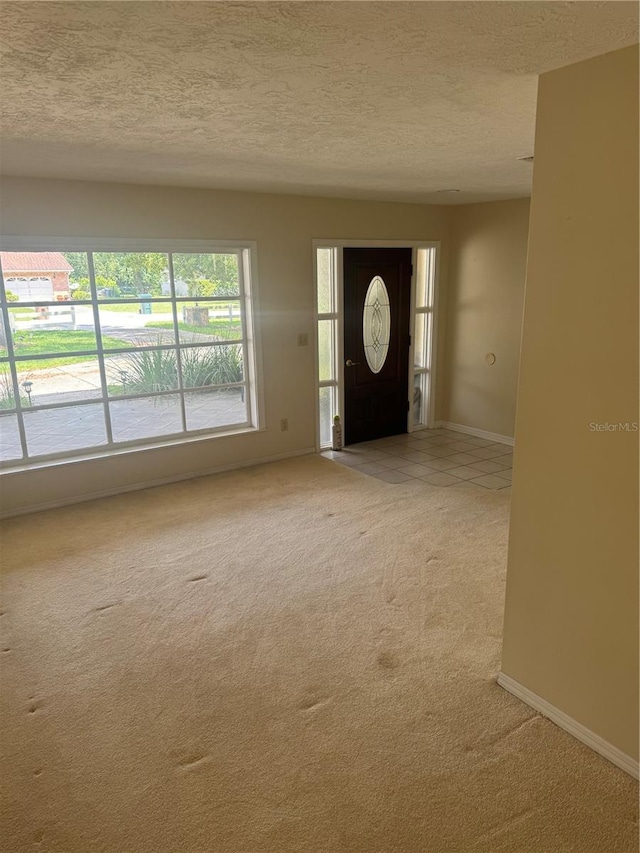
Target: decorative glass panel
376,324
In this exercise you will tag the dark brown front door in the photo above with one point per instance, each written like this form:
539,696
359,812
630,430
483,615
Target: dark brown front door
377,303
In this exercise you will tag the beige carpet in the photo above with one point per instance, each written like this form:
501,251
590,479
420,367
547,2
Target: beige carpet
295,658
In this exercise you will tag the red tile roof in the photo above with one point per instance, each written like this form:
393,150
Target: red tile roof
13,262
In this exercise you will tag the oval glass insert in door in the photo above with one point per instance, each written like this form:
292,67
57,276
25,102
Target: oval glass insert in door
376,324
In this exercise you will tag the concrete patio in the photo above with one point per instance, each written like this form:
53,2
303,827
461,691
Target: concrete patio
79,427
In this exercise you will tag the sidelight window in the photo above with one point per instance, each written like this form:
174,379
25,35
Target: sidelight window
327,313
425,273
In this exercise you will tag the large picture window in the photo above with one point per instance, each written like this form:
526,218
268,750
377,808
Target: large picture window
105,348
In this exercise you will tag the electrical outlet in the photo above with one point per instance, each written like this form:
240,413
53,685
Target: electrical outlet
303,339
284,424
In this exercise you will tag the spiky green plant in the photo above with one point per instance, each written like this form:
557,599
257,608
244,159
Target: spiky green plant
148,371
211,366
7,399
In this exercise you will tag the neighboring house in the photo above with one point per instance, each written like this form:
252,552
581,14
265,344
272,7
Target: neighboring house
36,275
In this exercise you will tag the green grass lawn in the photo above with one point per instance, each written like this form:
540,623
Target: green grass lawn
59,342
129,308
22,313
158,307
220,328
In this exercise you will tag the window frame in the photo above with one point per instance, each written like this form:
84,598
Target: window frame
250,341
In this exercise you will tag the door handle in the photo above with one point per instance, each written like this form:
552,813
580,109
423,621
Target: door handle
350,363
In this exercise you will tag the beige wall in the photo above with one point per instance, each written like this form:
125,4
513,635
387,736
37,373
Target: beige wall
485,296
283,227
571,622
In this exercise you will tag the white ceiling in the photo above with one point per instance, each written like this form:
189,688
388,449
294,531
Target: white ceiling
385,100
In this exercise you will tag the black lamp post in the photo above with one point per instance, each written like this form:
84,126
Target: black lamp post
28,385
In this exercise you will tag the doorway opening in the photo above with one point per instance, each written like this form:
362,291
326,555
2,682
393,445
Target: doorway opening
376,309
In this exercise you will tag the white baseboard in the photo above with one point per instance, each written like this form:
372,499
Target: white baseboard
150,484
580,732
477,433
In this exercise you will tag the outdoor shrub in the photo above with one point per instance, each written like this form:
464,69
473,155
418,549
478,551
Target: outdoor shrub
80,294
6,392
7,400
211,366
11,297
149,371
108,286
201,287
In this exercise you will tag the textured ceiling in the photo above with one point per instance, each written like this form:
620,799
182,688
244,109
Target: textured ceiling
387,100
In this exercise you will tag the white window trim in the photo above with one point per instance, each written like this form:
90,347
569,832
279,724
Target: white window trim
248,258
414,245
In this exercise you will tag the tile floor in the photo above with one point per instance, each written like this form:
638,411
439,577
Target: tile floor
440,457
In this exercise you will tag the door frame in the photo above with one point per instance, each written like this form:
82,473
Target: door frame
414,245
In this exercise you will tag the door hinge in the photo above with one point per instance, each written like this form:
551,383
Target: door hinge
409,340
408,406
411,269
